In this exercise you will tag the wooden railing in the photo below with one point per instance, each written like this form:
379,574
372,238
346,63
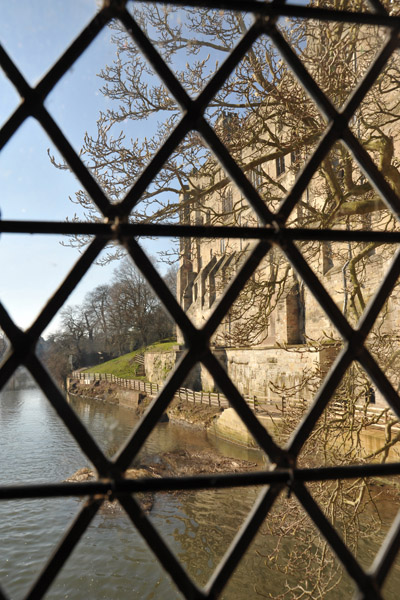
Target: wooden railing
152,389
139,358
259,404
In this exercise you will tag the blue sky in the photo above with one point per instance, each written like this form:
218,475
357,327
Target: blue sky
35,33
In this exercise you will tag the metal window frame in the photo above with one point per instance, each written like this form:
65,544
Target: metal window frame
115,226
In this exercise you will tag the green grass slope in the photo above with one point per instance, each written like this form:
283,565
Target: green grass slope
126,366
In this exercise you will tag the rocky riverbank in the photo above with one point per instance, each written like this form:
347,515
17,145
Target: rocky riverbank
181,462
177,463
146,500
224,423
194,415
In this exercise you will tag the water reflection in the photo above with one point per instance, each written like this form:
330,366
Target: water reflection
112,561
204,527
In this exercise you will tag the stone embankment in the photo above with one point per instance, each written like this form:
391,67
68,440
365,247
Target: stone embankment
106,391
223,422
211,411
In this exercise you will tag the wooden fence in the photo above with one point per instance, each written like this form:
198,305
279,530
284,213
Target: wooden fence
152,389
378,416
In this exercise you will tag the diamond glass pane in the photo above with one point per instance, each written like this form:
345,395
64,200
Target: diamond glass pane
197,119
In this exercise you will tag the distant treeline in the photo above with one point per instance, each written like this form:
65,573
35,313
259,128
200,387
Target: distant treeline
114,318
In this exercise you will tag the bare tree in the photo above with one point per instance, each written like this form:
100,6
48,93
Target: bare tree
274,117
112,320
77,324
97,304
271,126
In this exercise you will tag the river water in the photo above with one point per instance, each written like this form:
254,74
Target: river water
111,561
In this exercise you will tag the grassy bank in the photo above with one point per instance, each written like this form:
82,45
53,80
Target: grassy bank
126,366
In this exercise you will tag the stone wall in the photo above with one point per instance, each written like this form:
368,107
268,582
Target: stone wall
269,372
337,282
105,391
157,365
257,371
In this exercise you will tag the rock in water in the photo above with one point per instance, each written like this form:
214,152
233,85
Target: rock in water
146,499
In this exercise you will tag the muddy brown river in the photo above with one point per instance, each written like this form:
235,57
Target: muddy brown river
112,561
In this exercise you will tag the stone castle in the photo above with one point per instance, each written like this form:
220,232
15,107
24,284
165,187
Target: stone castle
276,339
